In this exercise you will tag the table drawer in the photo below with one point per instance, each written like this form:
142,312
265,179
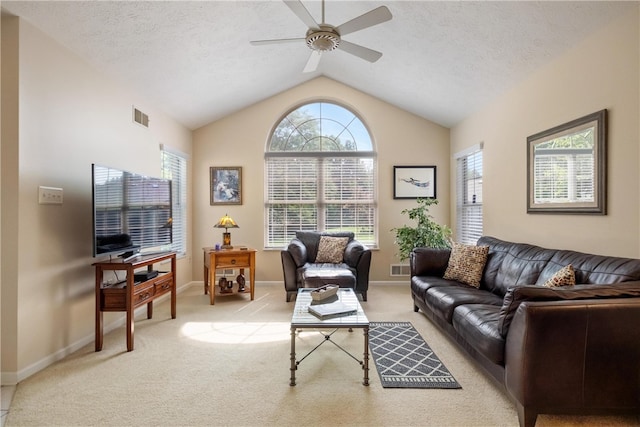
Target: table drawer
143,292
164,284
231,260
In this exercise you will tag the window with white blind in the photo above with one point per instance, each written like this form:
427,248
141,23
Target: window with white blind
320,175
469,195
174,167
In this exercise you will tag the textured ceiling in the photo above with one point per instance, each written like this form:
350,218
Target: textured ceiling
441,60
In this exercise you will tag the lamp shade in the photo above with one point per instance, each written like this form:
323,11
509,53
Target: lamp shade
226,222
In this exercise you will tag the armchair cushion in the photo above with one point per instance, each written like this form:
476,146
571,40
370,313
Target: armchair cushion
311,239
331,249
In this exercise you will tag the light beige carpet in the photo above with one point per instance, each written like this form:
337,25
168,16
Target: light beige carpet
228,365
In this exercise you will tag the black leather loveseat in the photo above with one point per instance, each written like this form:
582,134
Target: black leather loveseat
563,350
303,267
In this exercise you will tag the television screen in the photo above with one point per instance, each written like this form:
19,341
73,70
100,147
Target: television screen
131,212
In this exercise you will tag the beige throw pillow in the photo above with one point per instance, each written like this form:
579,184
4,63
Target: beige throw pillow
331,249
566,276
466,263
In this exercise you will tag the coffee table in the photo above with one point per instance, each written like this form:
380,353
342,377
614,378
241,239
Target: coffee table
302,319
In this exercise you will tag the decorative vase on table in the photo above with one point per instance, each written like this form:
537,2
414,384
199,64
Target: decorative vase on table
226,286
241,282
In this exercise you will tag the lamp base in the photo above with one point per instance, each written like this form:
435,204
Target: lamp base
226,241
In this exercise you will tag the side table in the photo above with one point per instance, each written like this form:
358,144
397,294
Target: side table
215,259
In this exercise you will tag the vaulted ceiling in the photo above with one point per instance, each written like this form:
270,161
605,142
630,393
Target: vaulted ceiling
193,59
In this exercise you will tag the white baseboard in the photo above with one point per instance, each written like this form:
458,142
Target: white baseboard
13,378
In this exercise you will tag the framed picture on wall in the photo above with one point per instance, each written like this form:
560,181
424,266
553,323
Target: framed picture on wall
412,182
226,185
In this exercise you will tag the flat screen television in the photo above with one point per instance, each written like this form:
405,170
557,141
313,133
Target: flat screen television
131,212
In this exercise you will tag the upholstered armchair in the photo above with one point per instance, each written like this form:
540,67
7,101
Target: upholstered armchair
314,259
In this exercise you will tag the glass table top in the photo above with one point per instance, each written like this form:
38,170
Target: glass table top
303,319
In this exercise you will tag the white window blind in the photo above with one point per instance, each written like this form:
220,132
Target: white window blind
320,193
469,196
174,167
564,175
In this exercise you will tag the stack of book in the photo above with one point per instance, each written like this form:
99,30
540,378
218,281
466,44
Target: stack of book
333,309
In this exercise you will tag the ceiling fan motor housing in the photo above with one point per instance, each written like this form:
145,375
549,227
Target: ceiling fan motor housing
324,40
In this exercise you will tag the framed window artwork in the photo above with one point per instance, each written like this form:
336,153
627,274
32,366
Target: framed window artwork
567,167
226,185
412,182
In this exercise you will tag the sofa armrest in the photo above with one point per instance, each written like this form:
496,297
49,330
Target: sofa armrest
289,269
429,261
353,252
580,354
358,257
298,252
517,294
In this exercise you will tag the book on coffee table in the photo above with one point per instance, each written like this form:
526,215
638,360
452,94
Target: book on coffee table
334,309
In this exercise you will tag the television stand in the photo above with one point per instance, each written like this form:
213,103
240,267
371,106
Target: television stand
128,295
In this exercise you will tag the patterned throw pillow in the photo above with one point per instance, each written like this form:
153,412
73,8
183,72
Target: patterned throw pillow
466,263
331,249
566,276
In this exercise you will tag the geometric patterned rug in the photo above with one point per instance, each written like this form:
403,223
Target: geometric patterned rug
403,358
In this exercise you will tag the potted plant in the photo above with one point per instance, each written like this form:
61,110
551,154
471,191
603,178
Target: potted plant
427,232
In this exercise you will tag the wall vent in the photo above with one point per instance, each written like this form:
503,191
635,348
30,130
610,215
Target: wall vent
140,117
225,272
400,270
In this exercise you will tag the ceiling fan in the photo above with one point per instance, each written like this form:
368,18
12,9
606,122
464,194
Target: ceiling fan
324,37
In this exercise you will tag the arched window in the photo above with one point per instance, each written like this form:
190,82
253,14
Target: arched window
320,175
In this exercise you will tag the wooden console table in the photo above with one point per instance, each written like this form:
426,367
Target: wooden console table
232,259
127,295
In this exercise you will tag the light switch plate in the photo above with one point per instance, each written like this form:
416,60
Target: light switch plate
50,195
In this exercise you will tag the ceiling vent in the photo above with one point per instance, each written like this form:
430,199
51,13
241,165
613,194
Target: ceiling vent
140,117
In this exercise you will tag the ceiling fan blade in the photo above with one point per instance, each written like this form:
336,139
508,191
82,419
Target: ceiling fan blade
301,12
275,41
369,19
360,51
313,61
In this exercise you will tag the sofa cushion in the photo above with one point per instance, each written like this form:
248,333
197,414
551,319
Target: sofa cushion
517,294
421,284
592,269
442,300
477,324
512,264
319,274
564,277
331,249
466,264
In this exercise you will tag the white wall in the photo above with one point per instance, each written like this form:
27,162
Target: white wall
240,140
70,116
602,72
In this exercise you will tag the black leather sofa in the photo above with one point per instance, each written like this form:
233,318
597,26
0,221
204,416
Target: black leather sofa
301,270
567,350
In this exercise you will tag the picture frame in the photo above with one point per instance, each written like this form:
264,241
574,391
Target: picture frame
567,167
413,182
226,185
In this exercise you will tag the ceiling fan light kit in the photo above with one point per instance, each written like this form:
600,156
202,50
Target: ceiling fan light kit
325,38
324,41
